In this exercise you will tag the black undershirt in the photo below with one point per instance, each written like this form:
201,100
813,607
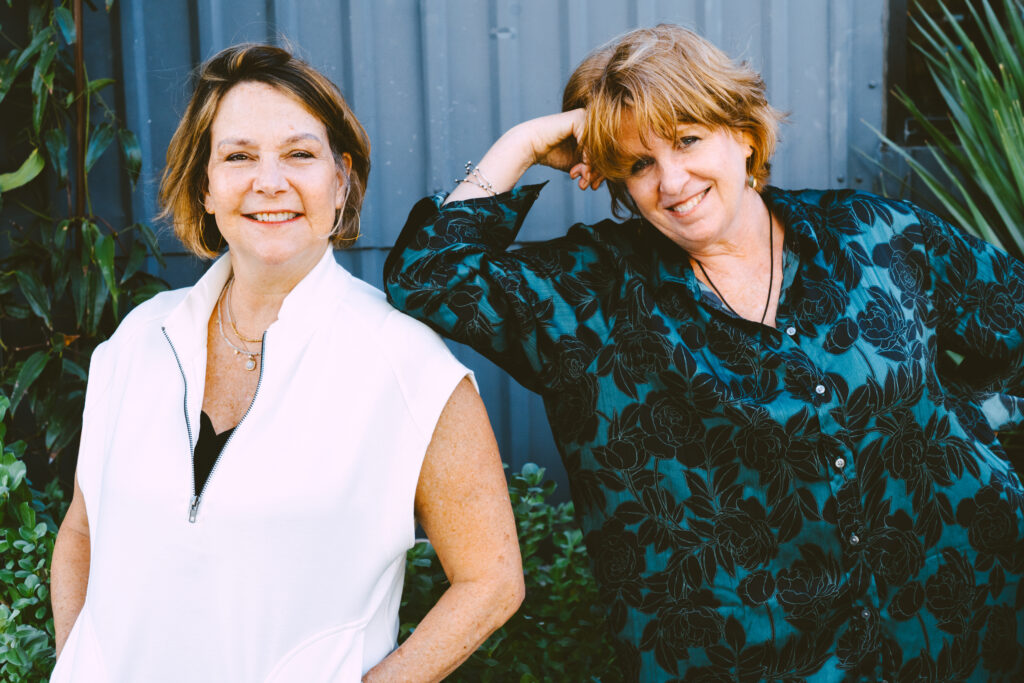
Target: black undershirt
208,447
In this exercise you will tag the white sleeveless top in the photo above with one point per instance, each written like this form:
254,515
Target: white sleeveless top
293,568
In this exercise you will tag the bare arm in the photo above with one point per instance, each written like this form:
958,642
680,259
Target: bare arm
69,571
462,502
548,140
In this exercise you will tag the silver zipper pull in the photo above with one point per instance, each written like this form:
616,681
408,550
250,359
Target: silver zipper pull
193,508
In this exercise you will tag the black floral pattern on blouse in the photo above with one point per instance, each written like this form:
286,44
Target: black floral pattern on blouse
825,499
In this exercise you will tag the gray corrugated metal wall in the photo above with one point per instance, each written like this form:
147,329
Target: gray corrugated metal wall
435,81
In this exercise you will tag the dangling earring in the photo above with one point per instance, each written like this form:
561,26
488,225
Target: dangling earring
752,181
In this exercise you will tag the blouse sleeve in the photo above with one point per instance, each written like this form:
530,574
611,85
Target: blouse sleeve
452,268
979,298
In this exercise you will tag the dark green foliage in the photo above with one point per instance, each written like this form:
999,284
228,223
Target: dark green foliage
559,634
28,527
66,278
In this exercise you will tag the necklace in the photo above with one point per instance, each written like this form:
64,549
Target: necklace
231,319
771,273
251,356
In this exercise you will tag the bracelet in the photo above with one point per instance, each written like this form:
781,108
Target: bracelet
475,170
480,181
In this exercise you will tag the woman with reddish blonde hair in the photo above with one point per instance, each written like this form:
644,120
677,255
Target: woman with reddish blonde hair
779,472
257,448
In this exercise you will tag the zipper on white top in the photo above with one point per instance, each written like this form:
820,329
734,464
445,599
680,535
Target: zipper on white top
193,506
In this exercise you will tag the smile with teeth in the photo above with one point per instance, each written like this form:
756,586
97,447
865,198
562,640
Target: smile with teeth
689,203
277,217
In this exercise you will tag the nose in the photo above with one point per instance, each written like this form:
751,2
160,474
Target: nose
270,178
672,175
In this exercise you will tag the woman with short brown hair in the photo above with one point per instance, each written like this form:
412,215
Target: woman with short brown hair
256,448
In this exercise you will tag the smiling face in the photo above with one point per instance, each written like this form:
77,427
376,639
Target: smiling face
273,184
692,189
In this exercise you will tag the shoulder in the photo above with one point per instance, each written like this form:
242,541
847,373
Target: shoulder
363,309
845,211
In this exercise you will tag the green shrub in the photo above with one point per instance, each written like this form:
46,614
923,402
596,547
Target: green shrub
28,527
560,632
980,182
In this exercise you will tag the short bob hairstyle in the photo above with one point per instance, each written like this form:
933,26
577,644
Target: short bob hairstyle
665,76
184,183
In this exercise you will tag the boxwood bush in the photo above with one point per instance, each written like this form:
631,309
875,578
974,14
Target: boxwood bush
28,526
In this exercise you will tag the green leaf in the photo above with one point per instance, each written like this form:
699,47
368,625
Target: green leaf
28,170
33,47
66,22
136,258
151,241
35,293
132,153
72,368
29,372
105,260
100,139
39,110
98,84
57,151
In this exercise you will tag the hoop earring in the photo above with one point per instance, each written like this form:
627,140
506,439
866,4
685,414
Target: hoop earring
341,214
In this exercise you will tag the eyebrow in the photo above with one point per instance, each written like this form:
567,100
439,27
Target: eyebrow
245,142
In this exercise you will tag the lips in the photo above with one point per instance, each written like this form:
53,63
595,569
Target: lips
272,217
689,204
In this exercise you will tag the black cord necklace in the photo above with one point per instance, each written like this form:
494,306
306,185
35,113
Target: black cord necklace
771,273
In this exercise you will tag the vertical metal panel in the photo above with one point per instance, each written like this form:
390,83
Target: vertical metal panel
436,81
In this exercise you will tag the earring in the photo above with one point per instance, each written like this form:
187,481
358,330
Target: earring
752,181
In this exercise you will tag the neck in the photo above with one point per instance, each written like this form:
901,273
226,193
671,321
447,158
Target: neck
744,243
257,293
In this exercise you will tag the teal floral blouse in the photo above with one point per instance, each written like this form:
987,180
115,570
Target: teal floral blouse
823,500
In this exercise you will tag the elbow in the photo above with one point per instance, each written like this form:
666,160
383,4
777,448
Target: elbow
507,594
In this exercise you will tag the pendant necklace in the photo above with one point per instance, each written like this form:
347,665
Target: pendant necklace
231,319
771,273
251,356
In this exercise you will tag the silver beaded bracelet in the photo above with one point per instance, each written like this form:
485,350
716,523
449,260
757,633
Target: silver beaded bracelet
480,181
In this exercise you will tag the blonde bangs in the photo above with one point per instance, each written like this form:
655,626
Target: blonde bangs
658,78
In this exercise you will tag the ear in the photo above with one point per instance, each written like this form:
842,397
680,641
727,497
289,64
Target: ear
748,140
208,202
344,180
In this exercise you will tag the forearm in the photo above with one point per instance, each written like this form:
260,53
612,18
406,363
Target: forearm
502,166
548,140
455,627
69,575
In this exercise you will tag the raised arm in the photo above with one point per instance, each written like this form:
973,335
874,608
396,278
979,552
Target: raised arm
69,571
462,503
548,140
